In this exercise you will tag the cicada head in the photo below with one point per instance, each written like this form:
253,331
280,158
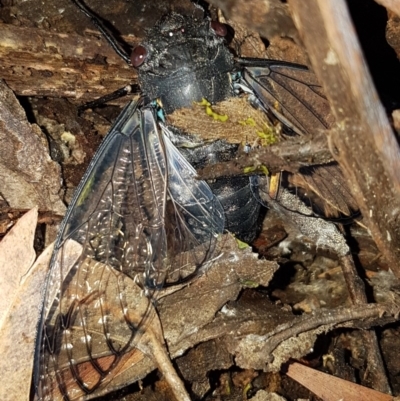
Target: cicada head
183,60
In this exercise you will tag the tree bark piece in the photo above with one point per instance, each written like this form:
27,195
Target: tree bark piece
37,62
362,140
28,175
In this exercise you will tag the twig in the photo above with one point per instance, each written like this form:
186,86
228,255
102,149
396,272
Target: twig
164,364
357,294
336,317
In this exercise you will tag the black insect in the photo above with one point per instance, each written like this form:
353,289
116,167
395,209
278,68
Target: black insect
140,218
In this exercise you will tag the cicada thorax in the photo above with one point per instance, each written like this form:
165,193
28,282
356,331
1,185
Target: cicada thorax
185,60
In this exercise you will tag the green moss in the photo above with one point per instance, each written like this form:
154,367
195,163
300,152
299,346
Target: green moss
241,244
250,169
268,135
262,169
210,112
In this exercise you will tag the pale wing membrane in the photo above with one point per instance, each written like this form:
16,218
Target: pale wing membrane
195,217
117,215
289,91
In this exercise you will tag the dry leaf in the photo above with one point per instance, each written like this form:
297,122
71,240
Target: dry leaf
224,280
16,257
331,388
21,287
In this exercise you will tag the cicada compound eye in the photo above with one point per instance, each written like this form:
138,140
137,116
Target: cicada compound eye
219,29
138,55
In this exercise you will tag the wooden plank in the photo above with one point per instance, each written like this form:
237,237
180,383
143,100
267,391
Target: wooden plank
362,140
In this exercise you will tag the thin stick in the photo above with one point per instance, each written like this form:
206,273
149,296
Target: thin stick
161,357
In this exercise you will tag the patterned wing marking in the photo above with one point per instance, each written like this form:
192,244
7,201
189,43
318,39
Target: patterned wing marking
94,339
96,310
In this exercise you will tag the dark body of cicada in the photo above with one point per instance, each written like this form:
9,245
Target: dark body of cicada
199,69
140,218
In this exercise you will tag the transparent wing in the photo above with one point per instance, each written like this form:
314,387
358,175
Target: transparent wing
117,217
194,214
117,225
289,91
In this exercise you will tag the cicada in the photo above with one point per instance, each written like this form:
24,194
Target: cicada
140,219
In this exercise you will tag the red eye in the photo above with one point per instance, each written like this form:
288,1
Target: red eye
138,56
219,29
